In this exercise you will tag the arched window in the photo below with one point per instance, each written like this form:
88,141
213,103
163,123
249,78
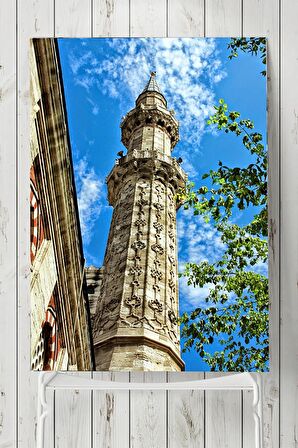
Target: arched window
34,221
47,336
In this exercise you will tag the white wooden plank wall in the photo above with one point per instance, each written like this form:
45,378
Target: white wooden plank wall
35,20
148,419
223,409
288,380
264,18
73,409
8,259
111,411
186,415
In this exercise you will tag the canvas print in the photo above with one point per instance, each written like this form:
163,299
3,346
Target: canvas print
148,204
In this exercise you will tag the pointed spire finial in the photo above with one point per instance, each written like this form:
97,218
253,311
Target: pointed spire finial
152,85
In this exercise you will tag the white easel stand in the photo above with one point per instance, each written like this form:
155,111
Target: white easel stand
61,380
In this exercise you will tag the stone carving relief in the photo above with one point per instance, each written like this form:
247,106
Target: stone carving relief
135,200
172,260
171,235
135,270
156,288
156,274
140,222
156,305
157,248
172,317
134,302
158,226
135,283
109,301
172,217
171,323
172,285
141,203
138,245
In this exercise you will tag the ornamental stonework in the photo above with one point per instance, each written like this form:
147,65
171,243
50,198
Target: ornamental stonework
138,301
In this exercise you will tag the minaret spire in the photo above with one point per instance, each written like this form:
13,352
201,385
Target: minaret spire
136,319
152,85
152,90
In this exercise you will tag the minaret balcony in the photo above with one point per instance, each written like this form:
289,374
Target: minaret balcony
155,116
152,154
145,163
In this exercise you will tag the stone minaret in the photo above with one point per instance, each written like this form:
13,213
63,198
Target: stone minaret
135,323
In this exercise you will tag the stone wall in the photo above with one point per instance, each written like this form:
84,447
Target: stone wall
60,312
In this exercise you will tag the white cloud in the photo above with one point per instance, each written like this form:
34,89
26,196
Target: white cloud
94,106
192,297
260,267
77,62
187,70
198,241
90,194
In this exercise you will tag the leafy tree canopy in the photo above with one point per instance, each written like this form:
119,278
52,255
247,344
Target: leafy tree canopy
253,45
235,313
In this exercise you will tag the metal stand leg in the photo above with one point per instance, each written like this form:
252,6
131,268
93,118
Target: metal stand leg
42,410
258,410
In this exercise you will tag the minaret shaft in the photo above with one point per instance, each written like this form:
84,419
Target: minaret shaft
136,325
150,138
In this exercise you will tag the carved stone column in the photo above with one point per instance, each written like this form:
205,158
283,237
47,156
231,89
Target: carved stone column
135,324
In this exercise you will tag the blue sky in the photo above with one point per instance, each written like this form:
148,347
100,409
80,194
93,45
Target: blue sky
102,78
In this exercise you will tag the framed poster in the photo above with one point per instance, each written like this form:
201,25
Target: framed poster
149,204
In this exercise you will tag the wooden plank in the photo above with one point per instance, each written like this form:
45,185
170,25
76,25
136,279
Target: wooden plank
289,234
186,18
262,19
185,408
110,409
223,410
111,413
223,18
73,18
148,18
185,414
35,19
148,409
148,413
111,18
73,426
8,261
223,414
73,409
248,423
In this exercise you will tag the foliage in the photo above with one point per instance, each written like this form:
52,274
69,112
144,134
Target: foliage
235,186
237,301
253,45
